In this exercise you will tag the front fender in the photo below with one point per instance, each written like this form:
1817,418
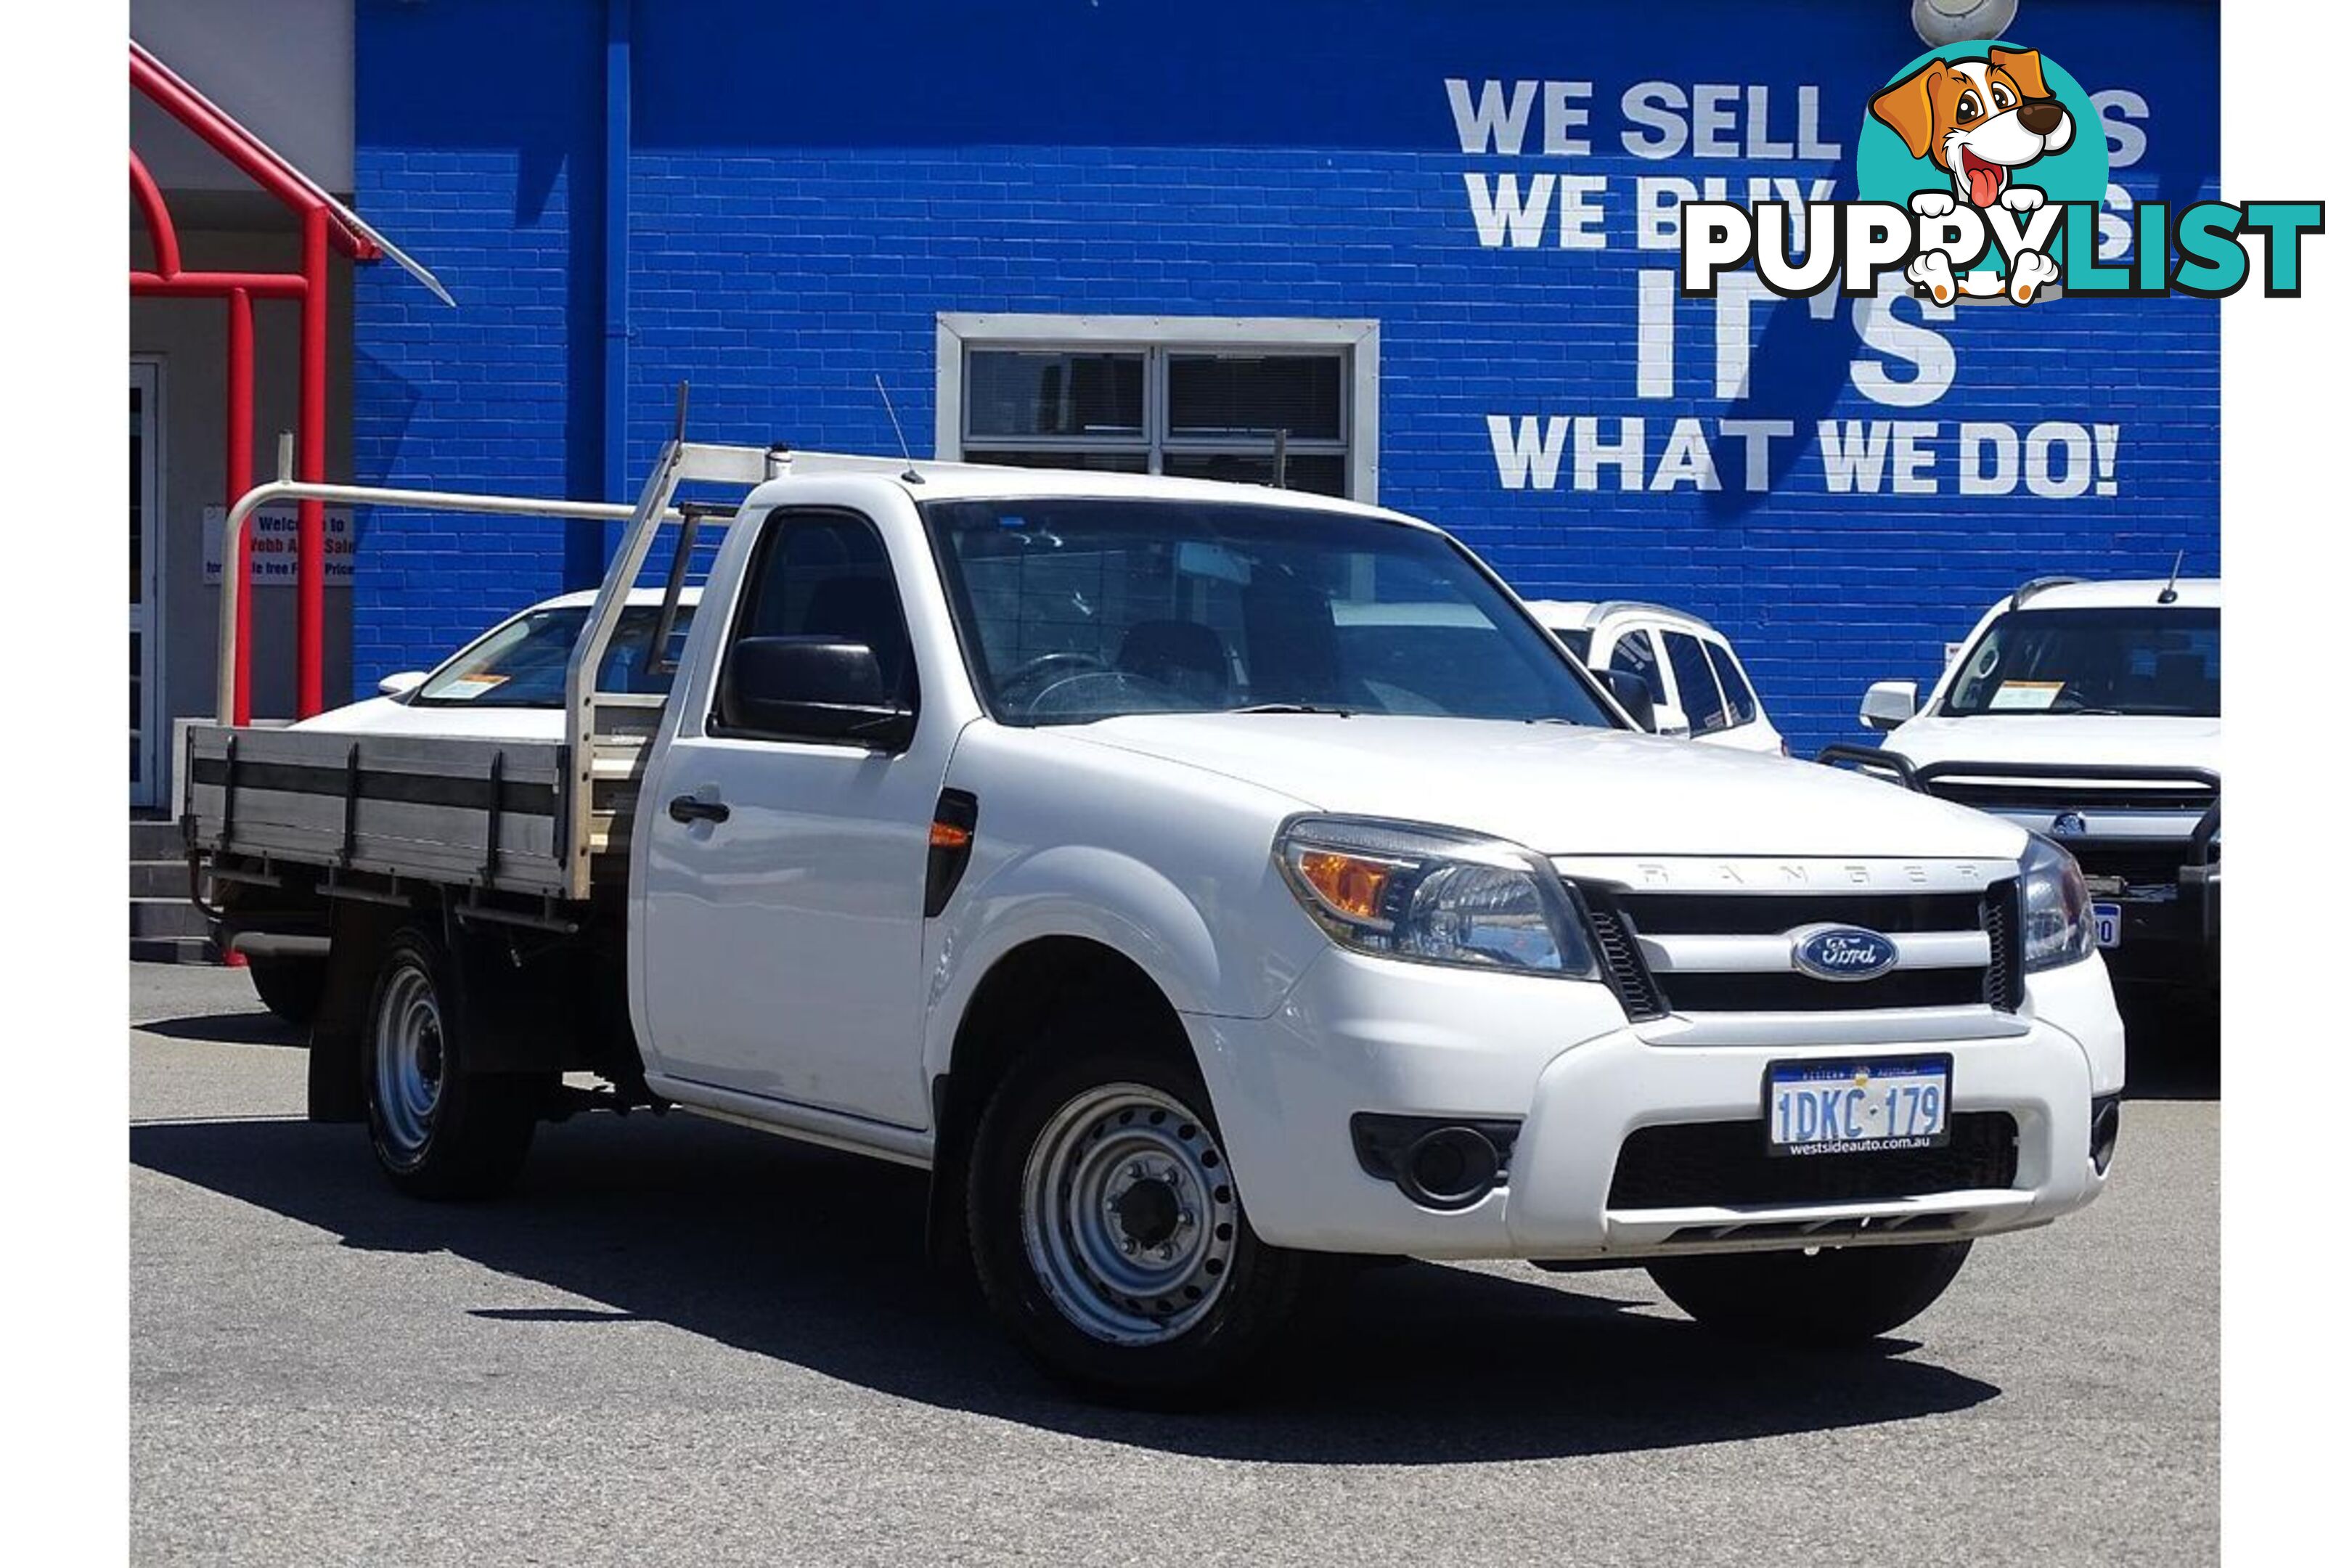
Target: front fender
1124,904
2080,1000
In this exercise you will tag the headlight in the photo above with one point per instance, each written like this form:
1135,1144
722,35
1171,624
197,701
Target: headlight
1405,891
2057,906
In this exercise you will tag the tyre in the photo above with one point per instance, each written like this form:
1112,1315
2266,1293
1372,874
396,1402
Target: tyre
289,987
439,1130
1834,1296
1105,1226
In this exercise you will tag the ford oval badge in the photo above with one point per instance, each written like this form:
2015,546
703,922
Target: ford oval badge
1842,952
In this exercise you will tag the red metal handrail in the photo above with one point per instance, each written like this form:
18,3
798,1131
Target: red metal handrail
327,224
306,288
158,216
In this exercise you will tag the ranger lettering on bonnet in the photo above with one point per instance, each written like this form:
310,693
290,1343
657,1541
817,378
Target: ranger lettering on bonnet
1978,121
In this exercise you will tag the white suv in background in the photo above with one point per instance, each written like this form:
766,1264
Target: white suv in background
2091,713
1697,684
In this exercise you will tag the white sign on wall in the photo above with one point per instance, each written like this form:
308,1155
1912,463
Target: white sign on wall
273,533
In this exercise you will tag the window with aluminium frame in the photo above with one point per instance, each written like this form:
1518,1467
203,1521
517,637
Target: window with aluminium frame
1223,399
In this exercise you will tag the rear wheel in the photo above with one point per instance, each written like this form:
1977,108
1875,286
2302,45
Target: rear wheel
289,987
440,1130
1105,1227
1832,1296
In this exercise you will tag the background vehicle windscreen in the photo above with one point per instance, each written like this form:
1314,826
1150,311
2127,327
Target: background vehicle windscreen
2125,659
521,664
1073,609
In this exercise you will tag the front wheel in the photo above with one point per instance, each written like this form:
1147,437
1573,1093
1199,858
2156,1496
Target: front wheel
1830,1296
440,1130
1108,1232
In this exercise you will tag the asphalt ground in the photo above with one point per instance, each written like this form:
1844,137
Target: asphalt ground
682,1342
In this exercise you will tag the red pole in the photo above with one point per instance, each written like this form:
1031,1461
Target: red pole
240,479
310,540
159,218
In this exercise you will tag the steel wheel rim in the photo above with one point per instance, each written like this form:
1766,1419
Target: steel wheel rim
409,1059
1129,1214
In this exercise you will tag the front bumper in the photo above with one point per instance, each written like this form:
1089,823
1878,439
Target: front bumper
2174,941
2161,864
1364,1034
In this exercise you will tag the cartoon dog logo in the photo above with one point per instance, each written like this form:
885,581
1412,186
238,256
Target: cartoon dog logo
1979,121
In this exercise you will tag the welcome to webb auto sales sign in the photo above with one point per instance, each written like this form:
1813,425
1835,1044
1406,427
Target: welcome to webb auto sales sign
272,530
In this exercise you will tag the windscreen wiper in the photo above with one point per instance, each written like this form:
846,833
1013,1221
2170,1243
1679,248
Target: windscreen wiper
1292,708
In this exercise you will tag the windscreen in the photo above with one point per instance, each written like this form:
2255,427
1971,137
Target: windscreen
521,664
2124,659
1078,609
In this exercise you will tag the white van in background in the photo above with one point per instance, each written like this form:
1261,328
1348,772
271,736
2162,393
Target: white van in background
1698,685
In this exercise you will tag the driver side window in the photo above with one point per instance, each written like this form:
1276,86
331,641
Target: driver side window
824,575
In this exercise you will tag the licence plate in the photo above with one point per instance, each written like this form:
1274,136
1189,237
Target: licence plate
1856,1106
2108,924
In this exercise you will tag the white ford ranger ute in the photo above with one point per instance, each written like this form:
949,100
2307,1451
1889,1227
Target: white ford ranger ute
1149,861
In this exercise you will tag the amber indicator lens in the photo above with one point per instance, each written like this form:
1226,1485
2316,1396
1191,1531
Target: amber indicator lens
1351,885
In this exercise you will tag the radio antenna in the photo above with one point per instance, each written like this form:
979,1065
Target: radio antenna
911,476
2171,587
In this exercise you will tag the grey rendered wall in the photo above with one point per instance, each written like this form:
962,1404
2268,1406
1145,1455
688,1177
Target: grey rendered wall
283,67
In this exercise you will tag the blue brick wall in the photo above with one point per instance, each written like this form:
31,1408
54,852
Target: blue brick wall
479,140
809,190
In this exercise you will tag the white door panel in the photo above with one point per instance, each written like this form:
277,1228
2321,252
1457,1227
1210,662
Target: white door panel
780,941
785,944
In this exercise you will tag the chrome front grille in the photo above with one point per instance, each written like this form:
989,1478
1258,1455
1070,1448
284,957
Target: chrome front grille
1707,937
1679,913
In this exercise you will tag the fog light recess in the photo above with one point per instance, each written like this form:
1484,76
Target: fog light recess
2106,1122
1440,1162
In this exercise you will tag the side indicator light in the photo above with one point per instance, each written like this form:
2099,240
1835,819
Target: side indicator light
953,821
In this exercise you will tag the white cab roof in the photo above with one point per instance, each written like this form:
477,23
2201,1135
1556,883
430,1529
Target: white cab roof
986,482
2203,593
1589,613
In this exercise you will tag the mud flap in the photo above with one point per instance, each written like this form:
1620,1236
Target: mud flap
358,932
947,1241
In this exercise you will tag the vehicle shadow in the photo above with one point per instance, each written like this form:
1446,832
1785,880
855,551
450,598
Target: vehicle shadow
240,1029
2172,1045
815,1259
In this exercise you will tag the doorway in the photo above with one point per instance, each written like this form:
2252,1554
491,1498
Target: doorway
146,576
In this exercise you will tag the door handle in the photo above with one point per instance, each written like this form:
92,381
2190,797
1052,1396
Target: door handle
691,808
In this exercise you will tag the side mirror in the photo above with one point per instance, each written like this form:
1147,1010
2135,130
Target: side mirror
1888,703
812,689
400,685
1633,694
1672,720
